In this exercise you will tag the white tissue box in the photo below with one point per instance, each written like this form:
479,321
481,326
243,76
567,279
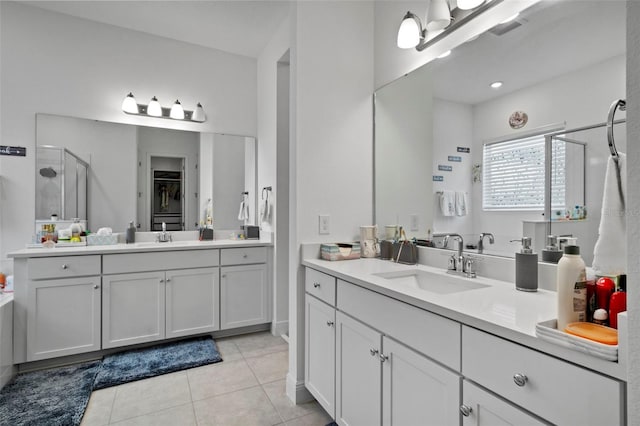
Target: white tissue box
102,240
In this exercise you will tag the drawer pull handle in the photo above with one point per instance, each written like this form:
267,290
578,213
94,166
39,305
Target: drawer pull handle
373,352
383,358
96,286
466,410
65,266
330,323
520,379
245,255
316,285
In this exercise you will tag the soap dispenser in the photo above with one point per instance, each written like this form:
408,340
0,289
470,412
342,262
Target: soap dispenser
551,253
130,234
526,267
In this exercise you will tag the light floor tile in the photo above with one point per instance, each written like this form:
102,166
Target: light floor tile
315,419
216,379
270,367
257,344
99,408
276,391
150,395
228,350
182,415
248,407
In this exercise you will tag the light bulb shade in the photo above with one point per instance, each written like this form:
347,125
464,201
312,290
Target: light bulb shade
439,16
176,111
198,114
409,32
129,104
469,4
154,109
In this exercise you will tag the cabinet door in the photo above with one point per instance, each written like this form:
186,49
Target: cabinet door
244,298
192,301
320,356
63,317
132,308
416,390
358,377
481,408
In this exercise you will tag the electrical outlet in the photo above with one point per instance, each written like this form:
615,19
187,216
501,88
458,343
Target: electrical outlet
413,222
324,224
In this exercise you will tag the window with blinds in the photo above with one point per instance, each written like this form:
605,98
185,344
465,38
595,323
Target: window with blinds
513,174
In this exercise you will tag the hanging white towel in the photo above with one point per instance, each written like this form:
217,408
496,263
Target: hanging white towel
243,213
610,251
461,203
448,203
265,210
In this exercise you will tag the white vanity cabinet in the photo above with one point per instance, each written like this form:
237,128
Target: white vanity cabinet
244,287
177,296
63,306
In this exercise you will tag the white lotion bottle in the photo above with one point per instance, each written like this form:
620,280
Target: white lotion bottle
572,287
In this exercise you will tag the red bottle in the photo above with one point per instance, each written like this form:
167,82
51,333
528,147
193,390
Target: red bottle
605,287
617,304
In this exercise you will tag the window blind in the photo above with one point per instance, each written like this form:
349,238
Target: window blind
513,174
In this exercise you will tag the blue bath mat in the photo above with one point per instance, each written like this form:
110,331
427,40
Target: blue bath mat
143,363
48,397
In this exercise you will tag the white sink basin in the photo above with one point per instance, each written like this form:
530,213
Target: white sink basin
435,283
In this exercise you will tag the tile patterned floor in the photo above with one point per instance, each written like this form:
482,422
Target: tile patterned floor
246,389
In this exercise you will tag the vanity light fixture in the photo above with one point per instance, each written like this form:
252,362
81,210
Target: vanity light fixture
411,32
154,109
439,15
469,4
496,85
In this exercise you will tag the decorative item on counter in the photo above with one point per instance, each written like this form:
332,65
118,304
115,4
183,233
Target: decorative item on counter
518,119
340,251
551,253
601,317
391,232
54,217
103,237
76,230
130,233
572,287
526,267
386,249
369,241
404,251
206,234
547,330
251,232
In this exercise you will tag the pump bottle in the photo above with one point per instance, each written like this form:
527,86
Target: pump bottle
526,267
572,287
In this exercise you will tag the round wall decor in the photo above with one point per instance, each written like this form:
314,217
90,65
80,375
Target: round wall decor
518,119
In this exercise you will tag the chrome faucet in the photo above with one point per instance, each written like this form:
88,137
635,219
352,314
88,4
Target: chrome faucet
164,236
481,241
456,263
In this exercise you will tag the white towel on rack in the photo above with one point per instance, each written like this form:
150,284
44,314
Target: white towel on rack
610,251
448,203
265,210
243,213
461,203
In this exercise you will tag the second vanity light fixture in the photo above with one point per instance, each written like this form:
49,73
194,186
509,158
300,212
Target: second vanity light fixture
154,109
440,18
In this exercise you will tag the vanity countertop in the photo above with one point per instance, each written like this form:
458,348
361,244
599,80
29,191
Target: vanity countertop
497,308
137,248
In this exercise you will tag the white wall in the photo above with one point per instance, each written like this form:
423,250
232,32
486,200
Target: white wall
579,98
633,209
58,64
332,86
228,181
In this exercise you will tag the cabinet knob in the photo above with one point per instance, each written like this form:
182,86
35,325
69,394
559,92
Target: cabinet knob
161,280
224,275
65,266
96,286
520,379
373,352
465,410
245,255
168,280
383,358
316,285
330,323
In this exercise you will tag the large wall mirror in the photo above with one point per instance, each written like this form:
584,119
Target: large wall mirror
143,174
560,63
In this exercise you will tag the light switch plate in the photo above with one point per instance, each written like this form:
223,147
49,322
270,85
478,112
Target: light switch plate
413,222
324,224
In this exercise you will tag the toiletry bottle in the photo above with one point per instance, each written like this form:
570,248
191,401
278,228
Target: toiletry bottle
551,253
572,287
526,267
130,234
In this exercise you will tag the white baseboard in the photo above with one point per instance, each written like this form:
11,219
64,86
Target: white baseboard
297,392
280,328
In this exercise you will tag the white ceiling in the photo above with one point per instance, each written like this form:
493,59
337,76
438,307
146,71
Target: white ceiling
242,27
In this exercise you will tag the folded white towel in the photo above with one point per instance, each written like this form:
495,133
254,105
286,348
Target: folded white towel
461,203
610,251
448,203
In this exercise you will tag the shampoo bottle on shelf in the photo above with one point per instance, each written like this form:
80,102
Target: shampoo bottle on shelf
572,287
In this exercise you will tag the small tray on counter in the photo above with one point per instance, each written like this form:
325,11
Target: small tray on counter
547,330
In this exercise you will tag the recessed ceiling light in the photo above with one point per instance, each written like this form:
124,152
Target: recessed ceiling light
510,18
496,85
445,54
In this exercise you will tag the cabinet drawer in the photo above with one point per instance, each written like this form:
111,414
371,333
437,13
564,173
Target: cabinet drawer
433,335
63,266
243,256
555,390
159,261
320,285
